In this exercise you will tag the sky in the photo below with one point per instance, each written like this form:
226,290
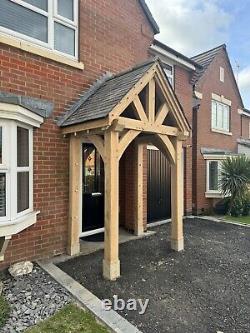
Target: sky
194,26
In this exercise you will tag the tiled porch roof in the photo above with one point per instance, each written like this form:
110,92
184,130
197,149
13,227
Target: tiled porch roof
104,95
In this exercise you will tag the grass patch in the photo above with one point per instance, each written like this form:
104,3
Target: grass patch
4,311
239,219
71,319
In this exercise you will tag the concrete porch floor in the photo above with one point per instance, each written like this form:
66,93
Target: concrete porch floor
125,236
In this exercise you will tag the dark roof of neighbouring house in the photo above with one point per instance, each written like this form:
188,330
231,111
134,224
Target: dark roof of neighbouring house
40,107
177,54
149,16
104,95
205,59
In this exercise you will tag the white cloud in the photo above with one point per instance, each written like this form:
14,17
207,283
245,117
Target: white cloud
191,26
244,84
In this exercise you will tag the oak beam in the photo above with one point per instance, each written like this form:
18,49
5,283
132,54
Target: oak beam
150,101
177,242
166,147
129,97
98,142
111,262
140,109
74,195
90,125
162,114
138,125
139,227
125,141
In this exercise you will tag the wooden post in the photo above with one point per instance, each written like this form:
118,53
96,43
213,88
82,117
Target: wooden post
111,262
74,195
139,228
177,242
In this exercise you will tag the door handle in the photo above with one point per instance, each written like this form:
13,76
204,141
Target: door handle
97,194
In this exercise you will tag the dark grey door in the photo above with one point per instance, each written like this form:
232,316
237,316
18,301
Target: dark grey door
159,186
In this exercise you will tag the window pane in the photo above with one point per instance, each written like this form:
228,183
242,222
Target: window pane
1,145
25,21
66,9
213,176
64,39
220,115
214,114
22,147
22,191
226,118
42,4
2,194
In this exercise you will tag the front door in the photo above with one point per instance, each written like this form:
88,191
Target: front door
93,189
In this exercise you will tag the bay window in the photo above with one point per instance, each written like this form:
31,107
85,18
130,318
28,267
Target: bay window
16,170
49,23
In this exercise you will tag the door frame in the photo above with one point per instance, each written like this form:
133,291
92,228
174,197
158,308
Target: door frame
91,232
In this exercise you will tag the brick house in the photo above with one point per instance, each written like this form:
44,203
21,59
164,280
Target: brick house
206,88
244,140
64,120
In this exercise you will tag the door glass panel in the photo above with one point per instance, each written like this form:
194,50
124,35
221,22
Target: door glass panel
93,170
22,147
2,194
1,145
22,191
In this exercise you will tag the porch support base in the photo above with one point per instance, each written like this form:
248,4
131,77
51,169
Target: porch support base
4,241
111,270
177,244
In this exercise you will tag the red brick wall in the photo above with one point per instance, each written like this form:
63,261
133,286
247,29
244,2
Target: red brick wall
114,35
184,92
210,83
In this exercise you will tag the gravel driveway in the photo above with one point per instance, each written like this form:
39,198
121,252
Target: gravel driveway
204,289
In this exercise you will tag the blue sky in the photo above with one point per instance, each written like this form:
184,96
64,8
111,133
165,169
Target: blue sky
194,26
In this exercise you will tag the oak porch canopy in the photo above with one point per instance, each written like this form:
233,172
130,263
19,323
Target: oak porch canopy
139,105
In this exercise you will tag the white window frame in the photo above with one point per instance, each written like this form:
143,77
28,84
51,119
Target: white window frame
171,76
52,17
4,168
10,168
208,176
216,127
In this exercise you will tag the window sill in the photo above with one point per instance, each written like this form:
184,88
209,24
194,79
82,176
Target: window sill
40,51
15,226
221,132
214,195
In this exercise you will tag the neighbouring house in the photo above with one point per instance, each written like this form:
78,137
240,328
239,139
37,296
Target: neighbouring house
244,140
179,69
217,124
76,114
206,87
